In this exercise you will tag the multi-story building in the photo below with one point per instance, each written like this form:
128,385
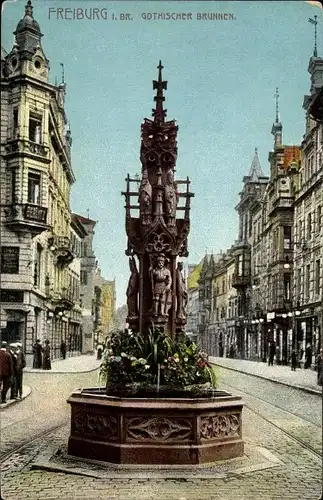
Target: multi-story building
255,184
89,292
308,219
193,307
104,307
36,177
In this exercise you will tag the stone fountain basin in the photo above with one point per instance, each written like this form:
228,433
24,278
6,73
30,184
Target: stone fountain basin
158,431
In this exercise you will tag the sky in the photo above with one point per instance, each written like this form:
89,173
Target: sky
222,76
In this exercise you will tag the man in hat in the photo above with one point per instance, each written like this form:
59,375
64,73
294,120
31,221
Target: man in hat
21,363
12,352
6,371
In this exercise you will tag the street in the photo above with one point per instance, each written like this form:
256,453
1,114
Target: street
284,423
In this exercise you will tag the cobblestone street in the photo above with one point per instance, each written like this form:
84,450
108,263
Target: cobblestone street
278,419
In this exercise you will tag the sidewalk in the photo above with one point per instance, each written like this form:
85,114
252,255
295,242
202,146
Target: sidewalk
301,379
26,391
75,364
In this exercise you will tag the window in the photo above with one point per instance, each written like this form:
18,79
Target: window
240,266
299,283
317,276
13,185
309,226
287,237
15,129
319,219
35,128
34,188
83,277
37,265
287,287
10,260
307,281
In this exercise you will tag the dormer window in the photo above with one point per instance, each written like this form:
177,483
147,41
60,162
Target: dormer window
35,126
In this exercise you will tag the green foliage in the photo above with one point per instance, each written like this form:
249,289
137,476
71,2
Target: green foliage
129,359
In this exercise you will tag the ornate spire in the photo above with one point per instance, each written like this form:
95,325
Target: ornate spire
277,127
277,109
314,21
29,9
255,172
159,113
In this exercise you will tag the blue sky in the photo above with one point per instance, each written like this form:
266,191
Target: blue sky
221,77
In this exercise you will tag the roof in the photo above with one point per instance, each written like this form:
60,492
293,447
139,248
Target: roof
78,226
255,172
194,276
85,220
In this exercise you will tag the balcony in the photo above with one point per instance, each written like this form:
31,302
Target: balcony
62,248
27,217
63,300
240,281
26,147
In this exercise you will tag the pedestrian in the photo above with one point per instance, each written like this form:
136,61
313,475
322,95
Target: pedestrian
21,363
63,349
294,360
319,363
277,355
99,351
308,356
37,352
46,356
12,352
6,371
272,351
231,351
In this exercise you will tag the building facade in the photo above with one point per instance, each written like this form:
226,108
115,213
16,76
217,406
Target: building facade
36,178
308,220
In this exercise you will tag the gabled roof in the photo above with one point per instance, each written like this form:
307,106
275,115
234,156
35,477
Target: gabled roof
194,276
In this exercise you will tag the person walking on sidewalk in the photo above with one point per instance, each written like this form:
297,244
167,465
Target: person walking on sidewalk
12,352
63,349
308,356
37,351
272,350
21,363
294,360
46,356
6,371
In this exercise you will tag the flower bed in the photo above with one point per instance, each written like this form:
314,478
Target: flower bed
156,366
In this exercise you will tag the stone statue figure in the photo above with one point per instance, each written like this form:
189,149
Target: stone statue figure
181,293
145,197
170,198
133,288
161,287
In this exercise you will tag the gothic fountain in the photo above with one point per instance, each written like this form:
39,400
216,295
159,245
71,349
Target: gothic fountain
156,425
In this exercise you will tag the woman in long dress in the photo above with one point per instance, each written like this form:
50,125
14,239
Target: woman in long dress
46,356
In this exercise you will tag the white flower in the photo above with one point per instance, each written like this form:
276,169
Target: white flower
185,359
133,358
198,374
142,361
176,360
147,367
124,355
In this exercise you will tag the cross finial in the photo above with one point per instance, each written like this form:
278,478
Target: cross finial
29,9
277,109
159,113
314,21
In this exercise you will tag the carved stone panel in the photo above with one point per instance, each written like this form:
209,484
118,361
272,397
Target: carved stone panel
220,426
102,426
159,429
